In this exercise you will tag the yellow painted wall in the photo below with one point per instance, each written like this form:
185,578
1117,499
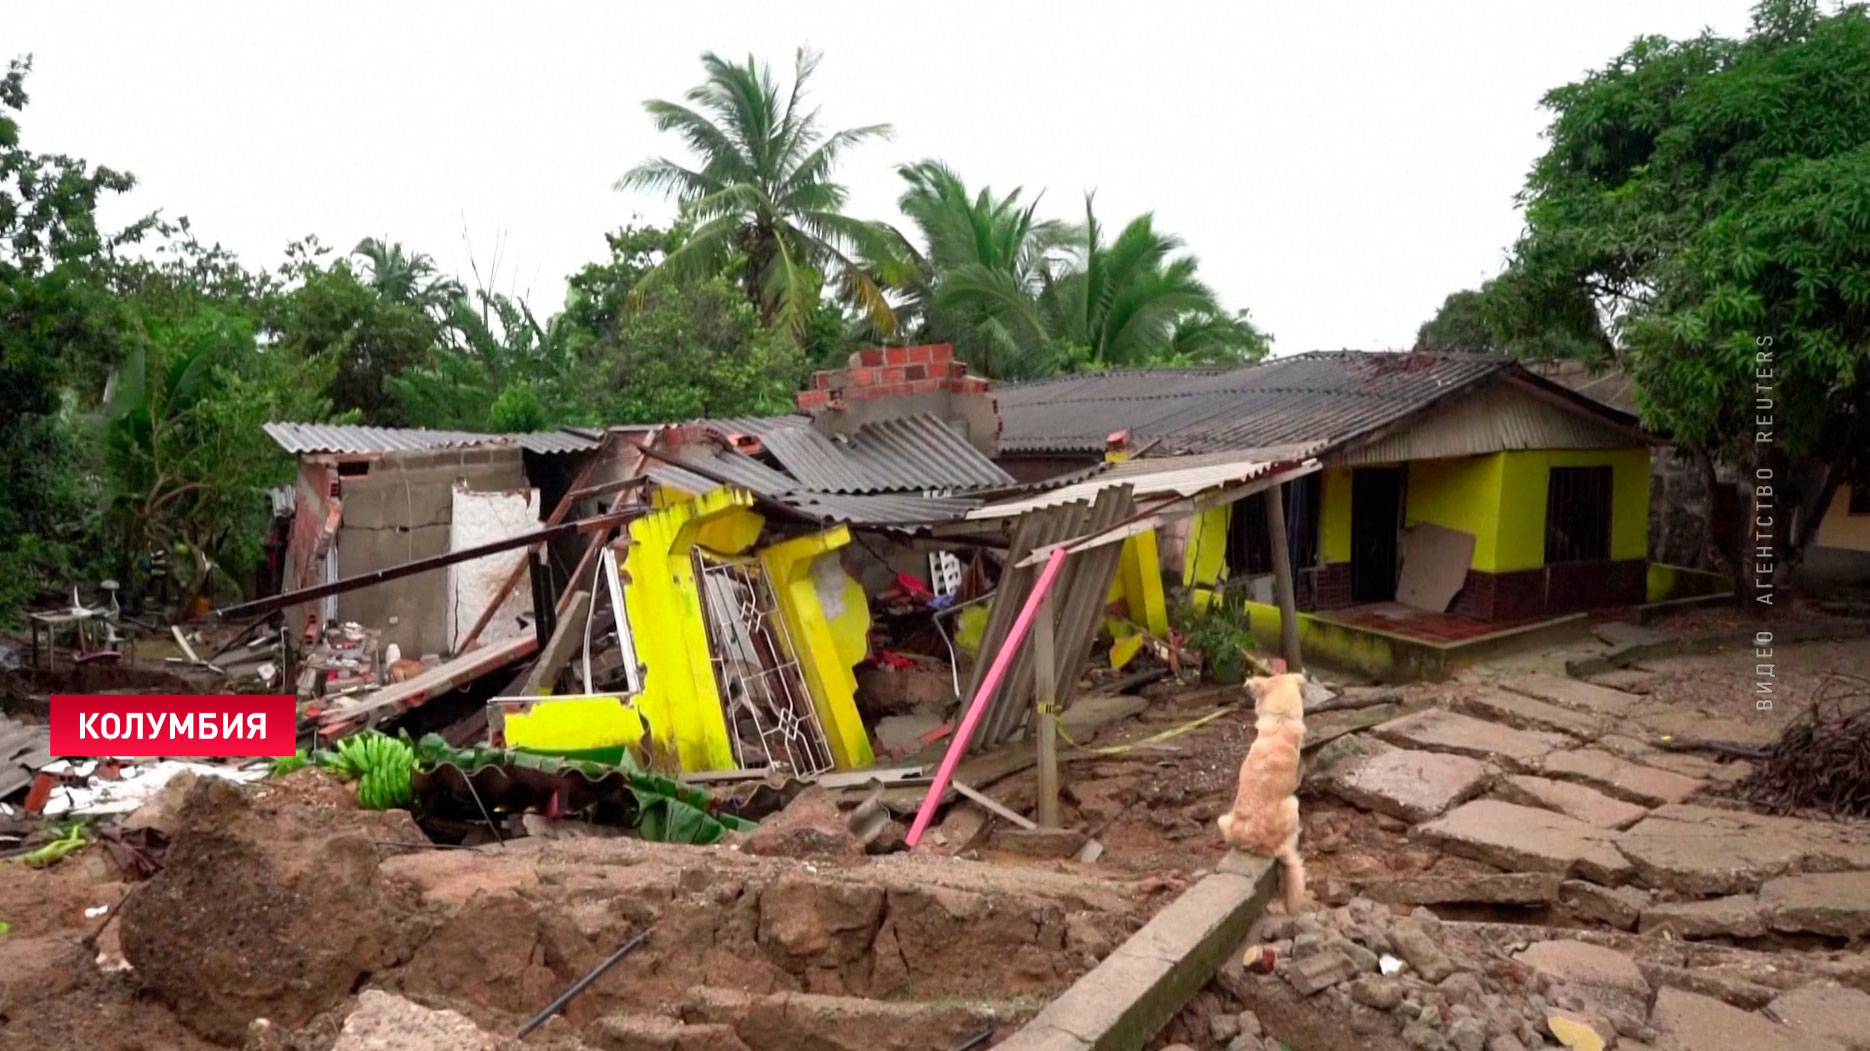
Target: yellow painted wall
1334,515
1204,563
680,697
826,642
1139,576
1501,500
1461,494
1840,528
1524,480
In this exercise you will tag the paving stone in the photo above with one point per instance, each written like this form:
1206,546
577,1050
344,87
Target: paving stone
1827,1010
1626,633
1620,777
1319,972
1420,952
1736,916
1688,1022
1530,713
1572,693
1528,839
1401,782
1466,888
1440,730
1707,981
1583,802
1833,903
1701,851
1602,976
1628,680
1617,907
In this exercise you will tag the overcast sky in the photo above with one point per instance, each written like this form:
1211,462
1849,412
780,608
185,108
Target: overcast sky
1337,167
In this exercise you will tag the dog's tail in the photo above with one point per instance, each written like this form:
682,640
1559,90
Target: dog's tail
1292,879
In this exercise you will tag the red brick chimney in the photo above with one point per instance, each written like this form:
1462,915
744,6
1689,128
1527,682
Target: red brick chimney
883,383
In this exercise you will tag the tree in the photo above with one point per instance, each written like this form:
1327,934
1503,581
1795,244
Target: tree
762,191
408,278
983,261
692,350
58,324
1136,300
1460,324
1709,200
328,310
501,371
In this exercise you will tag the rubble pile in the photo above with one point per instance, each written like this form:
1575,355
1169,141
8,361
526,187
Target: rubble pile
1366,974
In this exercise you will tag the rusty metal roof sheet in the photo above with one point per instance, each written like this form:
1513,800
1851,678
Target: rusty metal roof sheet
1326,396
297,438
906,455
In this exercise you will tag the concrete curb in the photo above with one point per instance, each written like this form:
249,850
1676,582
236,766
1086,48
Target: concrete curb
1137,989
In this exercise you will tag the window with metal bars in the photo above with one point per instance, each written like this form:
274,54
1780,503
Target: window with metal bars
1577,515
1249,546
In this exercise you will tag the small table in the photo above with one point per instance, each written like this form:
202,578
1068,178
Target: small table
82,624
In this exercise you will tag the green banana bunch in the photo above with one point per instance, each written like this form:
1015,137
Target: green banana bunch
380,764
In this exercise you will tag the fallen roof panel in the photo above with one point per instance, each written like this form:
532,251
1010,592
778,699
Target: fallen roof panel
1159,476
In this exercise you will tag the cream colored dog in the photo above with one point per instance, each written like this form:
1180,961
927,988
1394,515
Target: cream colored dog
1265,817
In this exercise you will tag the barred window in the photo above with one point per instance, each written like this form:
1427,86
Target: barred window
1577,515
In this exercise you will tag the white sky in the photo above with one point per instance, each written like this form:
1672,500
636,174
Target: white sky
1337,167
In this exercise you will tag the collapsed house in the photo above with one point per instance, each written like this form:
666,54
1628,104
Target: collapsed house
703,591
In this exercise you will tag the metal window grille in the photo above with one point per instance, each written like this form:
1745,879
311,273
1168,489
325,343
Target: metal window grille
770,718
1577,515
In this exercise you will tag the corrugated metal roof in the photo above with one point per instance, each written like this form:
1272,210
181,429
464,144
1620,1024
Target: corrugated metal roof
1159,477
911,454
297,438
24,748
347,438
552,443
903,509
1328,396
757,427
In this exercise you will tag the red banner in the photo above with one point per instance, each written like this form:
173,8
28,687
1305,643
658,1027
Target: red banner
174,725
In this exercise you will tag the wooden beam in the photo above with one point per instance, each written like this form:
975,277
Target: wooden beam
258,607
558,651
1045,699
1282,579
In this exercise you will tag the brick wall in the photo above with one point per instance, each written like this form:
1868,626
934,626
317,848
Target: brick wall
882,383
1551,591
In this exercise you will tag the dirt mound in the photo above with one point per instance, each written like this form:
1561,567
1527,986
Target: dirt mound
264,911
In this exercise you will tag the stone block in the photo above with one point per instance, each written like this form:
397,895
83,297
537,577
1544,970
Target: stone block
1528,839
1440,730
1644,785
1736,916
1583,802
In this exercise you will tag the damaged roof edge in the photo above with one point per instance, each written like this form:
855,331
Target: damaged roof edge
355,440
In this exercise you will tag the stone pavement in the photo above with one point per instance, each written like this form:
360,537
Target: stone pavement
1552,778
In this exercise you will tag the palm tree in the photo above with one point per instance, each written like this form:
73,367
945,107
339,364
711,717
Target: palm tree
762,192
984,261
408,278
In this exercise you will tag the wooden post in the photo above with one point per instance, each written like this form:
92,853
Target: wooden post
1045,699
1282,579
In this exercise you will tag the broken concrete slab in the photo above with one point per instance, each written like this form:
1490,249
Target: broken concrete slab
1401,782
1572,693
1528,839
1466,888
1601,975
1530,713
1735,916
1826,1010
1640,784
1701,851
1583,802
1626,633
1831,903
381,1021
1440,730
1618,907
1320,971
1689,1022
1710,981
1627,680
1135,990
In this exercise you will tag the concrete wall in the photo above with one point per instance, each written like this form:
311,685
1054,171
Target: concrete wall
402,510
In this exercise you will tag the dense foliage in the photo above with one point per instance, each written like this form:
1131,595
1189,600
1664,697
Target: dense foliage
1702,217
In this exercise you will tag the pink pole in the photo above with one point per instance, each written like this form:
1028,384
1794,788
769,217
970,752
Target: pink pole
957,746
